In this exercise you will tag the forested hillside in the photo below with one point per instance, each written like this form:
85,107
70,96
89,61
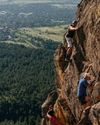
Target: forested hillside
29,15
25,79
26,61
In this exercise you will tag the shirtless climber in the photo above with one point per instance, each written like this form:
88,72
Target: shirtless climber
69,38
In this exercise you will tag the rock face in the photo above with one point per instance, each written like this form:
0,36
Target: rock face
86,51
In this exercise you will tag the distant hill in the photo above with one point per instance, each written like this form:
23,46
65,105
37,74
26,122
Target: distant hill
39,1
38,14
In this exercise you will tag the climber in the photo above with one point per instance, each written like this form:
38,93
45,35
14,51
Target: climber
68,37
84,99
51,116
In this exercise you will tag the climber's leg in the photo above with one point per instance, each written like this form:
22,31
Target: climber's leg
69,47
85,103
88,101
69,52
85,100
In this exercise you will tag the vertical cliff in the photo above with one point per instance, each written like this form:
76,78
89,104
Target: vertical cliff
86,51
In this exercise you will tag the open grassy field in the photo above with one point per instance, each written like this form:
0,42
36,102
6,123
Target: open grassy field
24,35
54,33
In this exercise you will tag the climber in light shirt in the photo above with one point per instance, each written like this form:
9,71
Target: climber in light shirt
69,38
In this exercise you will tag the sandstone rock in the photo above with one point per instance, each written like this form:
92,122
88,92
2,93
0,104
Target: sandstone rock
86,51
95,114
51,99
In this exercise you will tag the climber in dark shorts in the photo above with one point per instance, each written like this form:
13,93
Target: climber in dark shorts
81,91
69,38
